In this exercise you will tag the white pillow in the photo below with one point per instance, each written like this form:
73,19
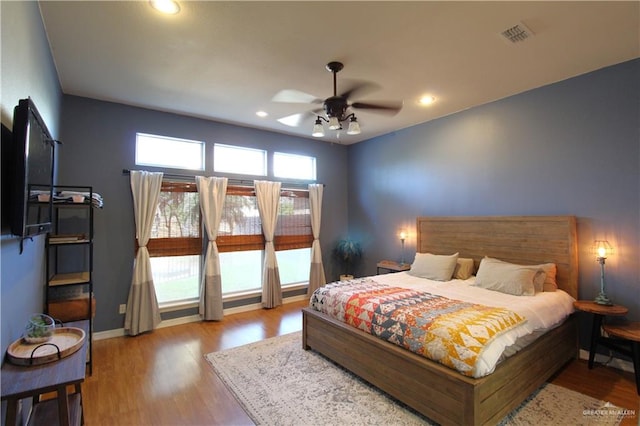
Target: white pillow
506,277
545,278
433,266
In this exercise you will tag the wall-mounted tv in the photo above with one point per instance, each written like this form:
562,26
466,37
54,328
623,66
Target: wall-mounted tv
32,183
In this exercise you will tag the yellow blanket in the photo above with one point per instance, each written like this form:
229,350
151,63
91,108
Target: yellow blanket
458,338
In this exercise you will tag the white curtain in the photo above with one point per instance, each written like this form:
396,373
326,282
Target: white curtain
316,275
268,196
143,313
212,191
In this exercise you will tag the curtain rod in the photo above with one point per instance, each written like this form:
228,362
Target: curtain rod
291,185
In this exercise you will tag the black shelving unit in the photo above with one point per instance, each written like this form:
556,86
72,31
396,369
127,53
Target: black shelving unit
69,259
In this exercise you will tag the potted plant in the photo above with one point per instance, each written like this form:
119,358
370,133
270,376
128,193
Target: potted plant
39,329
347,252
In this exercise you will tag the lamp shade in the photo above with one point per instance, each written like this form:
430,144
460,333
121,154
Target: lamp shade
354,127
334,124
318,130
602,249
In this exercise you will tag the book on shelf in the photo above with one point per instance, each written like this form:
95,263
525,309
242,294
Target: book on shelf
67,238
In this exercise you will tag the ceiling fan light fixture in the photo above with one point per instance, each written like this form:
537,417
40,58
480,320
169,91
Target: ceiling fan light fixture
318,130
354,127
334,124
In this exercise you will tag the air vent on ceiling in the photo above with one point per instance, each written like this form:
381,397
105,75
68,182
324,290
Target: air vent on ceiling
517,33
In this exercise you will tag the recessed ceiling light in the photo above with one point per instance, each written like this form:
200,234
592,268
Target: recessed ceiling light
170,7
262,114
427,100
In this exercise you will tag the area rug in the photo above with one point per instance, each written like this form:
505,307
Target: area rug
278,383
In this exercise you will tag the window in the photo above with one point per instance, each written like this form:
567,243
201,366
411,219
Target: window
294,166
240,227
293,237
294,265
241,271
240,160
161,151
293,229
241,243
175,245
176,278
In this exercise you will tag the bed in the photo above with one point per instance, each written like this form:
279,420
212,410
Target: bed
440,393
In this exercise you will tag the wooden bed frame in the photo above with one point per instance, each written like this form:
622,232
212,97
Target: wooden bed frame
436,391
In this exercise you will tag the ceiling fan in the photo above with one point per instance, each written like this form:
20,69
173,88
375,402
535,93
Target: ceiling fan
336,108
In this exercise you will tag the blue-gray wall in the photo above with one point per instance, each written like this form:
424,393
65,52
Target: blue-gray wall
568,148
99,142
27,70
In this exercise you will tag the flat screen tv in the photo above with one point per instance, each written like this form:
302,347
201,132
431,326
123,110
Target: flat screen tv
32,183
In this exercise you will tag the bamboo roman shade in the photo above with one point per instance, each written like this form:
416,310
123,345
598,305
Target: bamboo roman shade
176,229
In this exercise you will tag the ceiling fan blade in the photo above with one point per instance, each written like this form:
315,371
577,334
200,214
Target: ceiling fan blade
291,120
295,97
357,89
294,120
383,107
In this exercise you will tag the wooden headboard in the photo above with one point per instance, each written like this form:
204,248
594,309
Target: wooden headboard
518,239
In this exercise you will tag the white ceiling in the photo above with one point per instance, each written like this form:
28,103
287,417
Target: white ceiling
226,60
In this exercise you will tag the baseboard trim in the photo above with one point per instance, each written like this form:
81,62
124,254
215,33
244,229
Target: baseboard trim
119,332
609,361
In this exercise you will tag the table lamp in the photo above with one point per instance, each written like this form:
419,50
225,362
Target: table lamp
403,236
602,249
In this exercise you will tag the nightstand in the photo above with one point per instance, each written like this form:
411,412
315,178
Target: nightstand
391,266
599,312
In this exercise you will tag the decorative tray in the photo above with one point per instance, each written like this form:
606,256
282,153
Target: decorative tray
64,342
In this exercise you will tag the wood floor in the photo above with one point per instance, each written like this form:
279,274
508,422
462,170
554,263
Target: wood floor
162,378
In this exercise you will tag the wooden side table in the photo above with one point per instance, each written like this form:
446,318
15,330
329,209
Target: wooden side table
628,333
19,382
599,312
392,266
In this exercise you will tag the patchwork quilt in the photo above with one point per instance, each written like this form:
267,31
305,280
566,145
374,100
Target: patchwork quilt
448,331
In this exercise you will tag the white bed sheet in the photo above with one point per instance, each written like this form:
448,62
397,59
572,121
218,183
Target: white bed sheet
543,312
